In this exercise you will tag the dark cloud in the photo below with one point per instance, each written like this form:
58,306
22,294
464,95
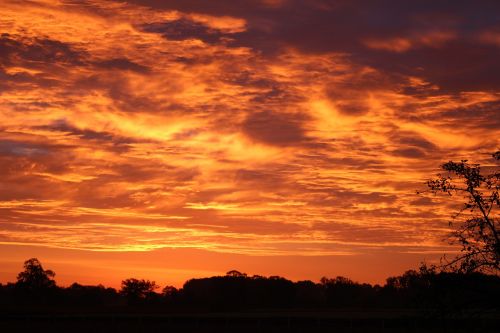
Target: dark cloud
351,107
183,29
24,80
411,140
222,7
480,115
461,62
211,194
271,178
37,50
27,186
274,128
275,94
117,88
351,197
409,152
122,64
20,148
23,164
86,134
365,233
258,226
104,191
49,58
459,66
35,155
466,115
354,163
424,201
24,83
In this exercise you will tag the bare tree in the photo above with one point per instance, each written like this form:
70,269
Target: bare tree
477,230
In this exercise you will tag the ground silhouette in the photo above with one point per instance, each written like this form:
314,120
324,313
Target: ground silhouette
426,300
235,291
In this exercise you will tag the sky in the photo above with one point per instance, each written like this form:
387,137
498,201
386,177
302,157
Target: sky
176,139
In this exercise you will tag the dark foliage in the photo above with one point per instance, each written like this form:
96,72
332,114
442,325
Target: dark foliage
477,223
34,277
137,291
427,289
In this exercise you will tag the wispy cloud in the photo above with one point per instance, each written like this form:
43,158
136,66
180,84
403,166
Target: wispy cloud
258,128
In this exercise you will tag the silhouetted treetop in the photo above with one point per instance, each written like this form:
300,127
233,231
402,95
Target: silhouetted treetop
34,276
235,273
138,289
339,280
169,291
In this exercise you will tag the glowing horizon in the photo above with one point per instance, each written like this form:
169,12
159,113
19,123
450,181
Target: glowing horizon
244,132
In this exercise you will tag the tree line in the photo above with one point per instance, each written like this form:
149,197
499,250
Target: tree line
426,288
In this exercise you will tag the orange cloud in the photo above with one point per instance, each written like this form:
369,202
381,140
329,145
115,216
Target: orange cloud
145,129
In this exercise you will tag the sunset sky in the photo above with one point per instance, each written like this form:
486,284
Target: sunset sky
176,139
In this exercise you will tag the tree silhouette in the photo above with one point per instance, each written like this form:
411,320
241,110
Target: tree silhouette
235,273
135,289
429,290
478,231
34,276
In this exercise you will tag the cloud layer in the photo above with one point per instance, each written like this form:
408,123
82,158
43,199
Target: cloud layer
248,127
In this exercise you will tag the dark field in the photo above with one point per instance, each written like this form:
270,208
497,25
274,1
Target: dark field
414,302
335,321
